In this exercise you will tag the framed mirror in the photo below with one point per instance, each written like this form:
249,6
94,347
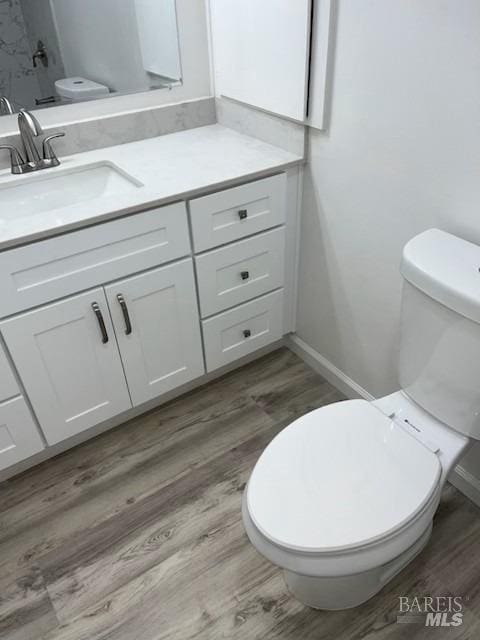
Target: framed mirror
56,52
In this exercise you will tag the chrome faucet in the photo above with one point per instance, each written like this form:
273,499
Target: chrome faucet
6,107
29,129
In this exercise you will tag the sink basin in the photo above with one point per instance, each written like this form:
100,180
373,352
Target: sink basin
56,188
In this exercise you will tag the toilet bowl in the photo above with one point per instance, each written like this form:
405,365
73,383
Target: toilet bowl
344,497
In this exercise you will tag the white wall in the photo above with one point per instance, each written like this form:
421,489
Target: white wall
402,154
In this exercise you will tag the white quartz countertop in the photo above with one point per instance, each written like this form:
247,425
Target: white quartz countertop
169,168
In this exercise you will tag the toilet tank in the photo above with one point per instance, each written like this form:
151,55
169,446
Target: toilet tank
439,360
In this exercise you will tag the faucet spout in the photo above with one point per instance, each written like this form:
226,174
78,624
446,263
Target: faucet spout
29,129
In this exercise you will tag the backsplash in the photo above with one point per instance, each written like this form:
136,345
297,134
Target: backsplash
267,127
123,128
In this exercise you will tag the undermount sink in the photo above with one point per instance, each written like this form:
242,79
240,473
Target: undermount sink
57,188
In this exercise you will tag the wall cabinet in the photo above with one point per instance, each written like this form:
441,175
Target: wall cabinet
252,62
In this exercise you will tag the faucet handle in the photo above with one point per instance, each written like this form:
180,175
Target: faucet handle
48,151
16,159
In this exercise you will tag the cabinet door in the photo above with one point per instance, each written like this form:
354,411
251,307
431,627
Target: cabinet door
69,364
156,321
261,53
19,436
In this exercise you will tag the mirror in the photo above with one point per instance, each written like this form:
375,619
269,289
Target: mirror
55,52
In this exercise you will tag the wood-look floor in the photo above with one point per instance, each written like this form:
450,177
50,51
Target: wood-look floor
137,534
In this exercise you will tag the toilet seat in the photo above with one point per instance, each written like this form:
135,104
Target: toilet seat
341,479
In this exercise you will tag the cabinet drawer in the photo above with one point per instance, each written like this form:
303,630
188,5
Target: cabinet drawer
53,268
19,436
8,384
235,213
242,330
249,268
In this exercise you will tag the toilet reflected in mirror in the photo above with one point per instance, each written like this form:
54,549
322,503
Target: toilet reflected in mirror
55,52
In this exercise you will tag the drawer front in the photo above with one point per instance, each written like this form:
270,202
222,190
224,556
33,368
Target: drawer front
242,330
235,213
237,273
53,268
19,436
8,384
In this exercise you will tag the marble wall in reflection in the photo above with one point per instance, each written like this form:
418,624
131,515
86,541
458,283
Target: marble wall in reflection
18,80
40,25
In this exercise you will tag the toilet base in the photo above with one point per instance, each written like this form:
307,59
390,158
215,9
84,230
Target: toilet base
344,592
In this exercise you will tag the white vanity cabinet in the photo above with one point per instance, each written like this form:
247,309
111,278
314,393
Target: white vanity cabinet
106,318
69,364
84,360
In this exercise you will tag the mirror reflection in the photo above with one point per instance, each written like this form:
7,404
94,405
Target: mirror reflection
55,52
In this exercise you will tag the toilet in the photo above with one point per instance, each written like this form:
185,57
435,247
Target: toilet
344,497
79,89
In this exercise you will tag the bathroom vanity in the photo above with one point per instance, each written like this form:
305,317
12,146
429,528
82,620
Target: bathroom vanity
129,273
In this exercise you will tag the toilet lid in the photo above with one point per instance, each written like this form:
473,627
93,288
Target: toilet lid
340,477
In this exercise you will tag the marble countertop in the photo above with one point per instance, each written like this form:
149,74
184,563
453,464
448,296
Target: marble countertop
170,168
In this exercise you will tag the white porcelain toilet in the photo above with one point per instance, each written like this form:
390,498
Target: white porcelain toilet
343,498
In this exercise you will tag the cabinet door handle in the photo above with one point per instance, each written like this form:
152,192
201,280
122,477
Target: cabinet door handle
126,315
101,322
245,275
242,214
247,333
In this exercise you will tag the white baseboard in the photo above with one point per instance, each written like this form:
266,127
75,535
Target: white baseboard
461,479
326,369
467,483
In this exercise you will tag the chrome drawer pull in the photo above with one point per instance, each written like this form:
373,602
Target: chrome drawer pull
126,315
101,322
245,275
247,333
242,214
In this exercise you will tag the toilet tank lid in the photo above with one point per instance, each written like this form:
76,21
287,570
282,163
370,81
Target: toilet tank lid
78,84
446,268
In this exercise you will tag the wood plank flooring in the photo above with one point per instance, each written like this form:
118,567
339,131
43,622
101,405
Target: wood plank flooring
137,534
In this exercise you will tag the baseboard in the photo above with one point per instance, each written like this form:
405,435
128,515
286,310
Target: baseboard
326,369
461,479
467,483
